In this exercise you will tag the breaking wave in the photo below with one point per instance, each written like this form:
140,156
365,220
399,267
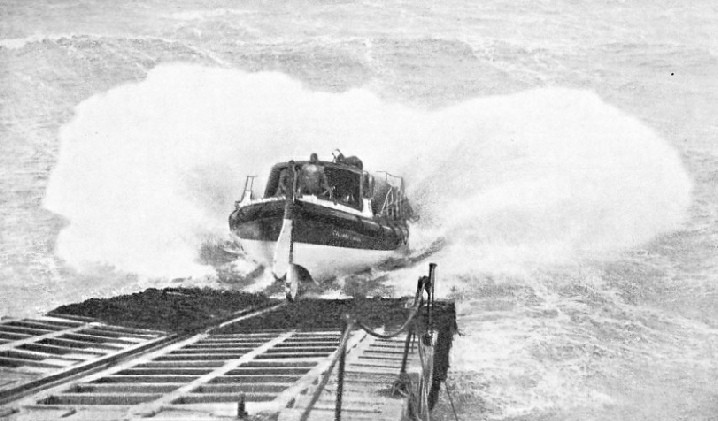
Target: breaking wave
149,171
548,176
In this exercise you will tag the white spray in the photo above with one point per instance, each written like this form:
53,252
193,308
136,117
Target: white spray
147,171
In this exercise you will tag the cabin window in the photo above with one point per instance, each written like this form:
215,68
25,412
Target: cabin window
368,186
281,187
277,183
346,186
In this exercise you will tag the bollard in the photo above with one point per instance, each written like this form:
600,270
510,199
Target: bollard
241,408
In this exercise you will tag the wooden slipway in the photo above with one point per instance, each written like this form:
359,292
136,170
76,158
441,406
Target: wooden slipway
66,373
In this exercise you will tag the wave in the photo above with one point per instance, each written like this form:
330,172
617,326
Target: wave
148,170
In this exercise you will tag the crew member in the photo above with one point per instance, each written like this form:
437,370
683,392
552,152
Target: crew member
283,181
312,179
338,155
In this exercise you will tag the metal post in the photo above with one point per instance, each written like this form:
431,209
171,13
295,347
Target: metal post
407,345
241,407
428,351
432,270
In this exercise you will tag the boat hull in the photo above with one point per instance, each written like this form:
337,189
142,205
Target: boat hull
327,241
323,262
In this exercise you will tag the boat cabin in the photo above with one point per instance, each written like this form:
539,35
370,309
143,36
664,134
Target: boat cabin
347,184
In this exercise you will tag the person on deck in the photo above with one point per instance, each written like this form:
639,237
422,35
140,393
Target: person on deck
339,158
283,181
312,179
338,155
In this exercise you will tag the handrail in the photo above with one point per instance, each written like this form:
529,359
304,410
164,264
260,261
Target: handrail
388,201
388,174
325,378
425,283
342,363
395,202
249,181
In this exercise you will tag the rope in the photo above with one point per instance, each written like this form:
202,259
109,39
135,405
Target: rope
399,331
412,314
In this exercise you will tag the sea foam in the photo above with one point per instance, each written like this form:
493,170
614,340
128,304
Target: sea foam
147,171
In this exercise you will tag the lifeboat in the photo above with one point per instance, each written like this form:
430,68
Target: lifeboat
320,219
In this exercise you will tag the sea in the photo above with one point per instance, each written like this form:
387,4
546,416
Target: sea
562,156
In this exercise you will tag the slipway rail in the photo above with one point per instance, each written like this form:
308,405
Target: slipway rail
38,353
239,369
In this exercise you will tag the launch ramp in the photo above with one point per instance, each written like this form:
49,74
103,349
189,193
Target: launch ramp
314,359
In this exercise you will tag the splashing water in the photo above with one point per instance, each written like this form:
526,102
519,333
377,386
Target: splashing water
549,175
146,171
